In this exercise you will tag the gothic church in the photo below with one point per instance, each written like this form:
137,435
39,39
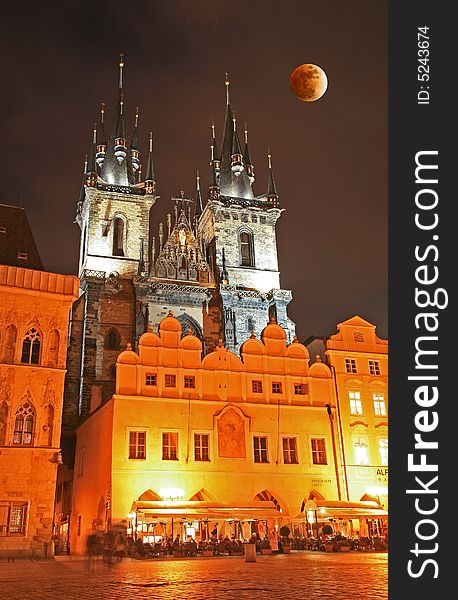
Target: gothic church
214,264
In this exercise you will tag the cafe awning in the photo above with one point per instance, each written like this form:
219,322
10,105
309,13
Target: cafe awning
196,510
338,509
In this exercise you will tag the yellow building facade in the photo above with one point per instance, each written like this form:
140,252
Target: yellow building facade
227,432
358,359
34,315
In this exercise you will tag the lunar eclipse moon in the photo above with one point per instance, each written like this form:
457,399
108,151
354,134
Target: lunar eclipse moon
308,82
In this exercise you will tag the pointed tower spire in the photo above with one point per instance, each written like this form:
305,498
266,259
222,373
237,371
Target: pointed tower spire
247,158
272,195
117,164
91,176
150,183
213,188
134,143
214,158
199,207
236,156
102,146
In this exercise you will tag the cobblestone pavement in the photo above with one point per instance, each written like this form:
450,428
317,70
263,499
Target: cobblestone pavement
301,575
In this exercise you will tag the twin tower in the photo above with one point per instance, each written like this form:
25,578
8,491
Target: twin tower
214,263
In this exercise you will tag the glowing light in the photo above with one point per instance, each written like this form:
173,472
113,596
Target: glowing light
171,494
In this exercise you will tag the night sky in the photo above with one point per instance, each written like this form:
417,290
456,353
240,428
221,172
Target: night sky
59,61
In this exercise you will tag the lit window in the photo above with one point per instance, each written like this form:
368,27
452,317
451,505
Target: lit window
23,425
290,451
379,405
361,451
151,379
350,365
246,249
260,449
201,447
374,367
358,336
118,237
189,381
170,446
256,386
31,345
276,388
319,451
301,389
22,255
13,518
2,229
383,449
137,444
356,406
170,381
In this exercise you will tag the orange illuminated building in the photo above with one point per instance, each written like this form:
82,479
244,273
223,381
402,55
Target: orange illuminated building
34,315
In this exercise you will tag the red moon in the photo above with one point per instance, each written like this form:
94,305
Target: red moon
308,82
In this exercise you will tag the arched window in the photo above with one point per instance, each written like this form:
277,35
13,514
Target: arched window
113,340
246,249
31,346
118,237
3,422
23,425
10,344
53,356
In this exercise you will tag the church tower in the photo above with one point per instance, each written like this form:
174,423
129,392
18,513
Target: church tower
113,213
237,231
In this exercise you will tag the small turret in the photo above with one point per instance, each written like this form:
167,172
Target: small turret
102,146
150,183
247,158
199,207
214,159
236,155
120,149
91,175
134,144
272,196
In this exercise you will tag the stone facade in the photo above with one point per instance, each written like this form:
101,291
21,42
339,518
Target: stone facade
34,313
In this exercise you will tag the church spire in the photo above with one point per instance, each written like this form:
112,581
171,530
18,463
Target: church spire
236,156
150,183
272,195
117,164
91,173
199,207
102,146
247,158
134,143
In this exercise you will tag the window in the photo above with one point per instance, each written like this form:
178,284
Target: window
170,381
169,446
374,367
246,249
356,406
260,449
276,387
350,365
383,449
379,404
137,444
151,379
201,447
113,340
118,237
13,518
2,229
290,451
189,381
358,336
256,386
361,451
23,425
80,463
301,389
31,345
319,451
250,324
22,255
